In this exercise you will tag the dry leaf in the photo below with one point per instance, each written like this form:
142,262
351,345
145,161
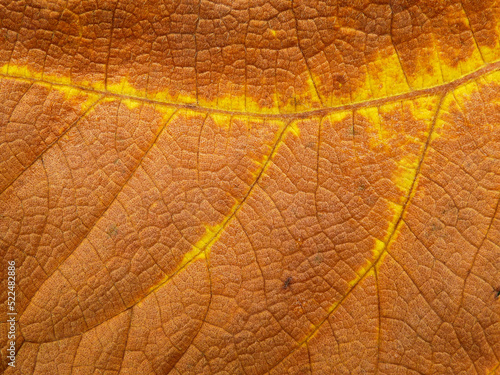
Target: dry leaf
250,187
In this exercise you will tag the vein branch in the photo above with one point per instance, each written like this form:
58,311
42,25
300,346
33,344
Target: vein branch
76,122
391,237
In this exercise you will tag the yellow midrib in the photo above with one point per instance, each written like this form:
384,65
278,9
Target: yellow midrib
288,115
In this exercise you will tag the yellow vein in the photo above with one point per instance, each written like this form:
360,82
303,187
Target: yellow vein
388,242
208,244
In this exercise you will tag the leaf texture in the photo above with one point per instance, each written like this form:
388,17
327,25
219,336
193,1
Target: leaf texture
281,187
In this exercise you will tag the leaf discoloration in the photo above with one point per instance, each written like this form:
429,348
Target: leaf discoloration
284,187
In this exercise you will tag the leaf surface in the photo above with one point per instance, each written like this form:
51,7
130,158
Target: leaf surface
251,187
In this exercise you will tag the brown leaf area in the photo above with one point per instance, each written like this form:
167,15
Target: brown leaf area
251,187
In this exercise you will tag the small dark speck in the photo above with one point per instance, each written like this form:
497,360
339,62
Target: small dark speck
497,293
112,230
318,259
287,282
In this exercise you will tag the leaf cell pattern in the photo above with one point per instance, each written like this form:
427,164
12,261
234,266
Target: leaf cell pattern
264,187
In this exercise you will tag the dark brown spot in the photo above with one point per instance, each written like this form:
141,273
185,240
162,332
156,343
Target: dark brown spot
287,282
340,79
